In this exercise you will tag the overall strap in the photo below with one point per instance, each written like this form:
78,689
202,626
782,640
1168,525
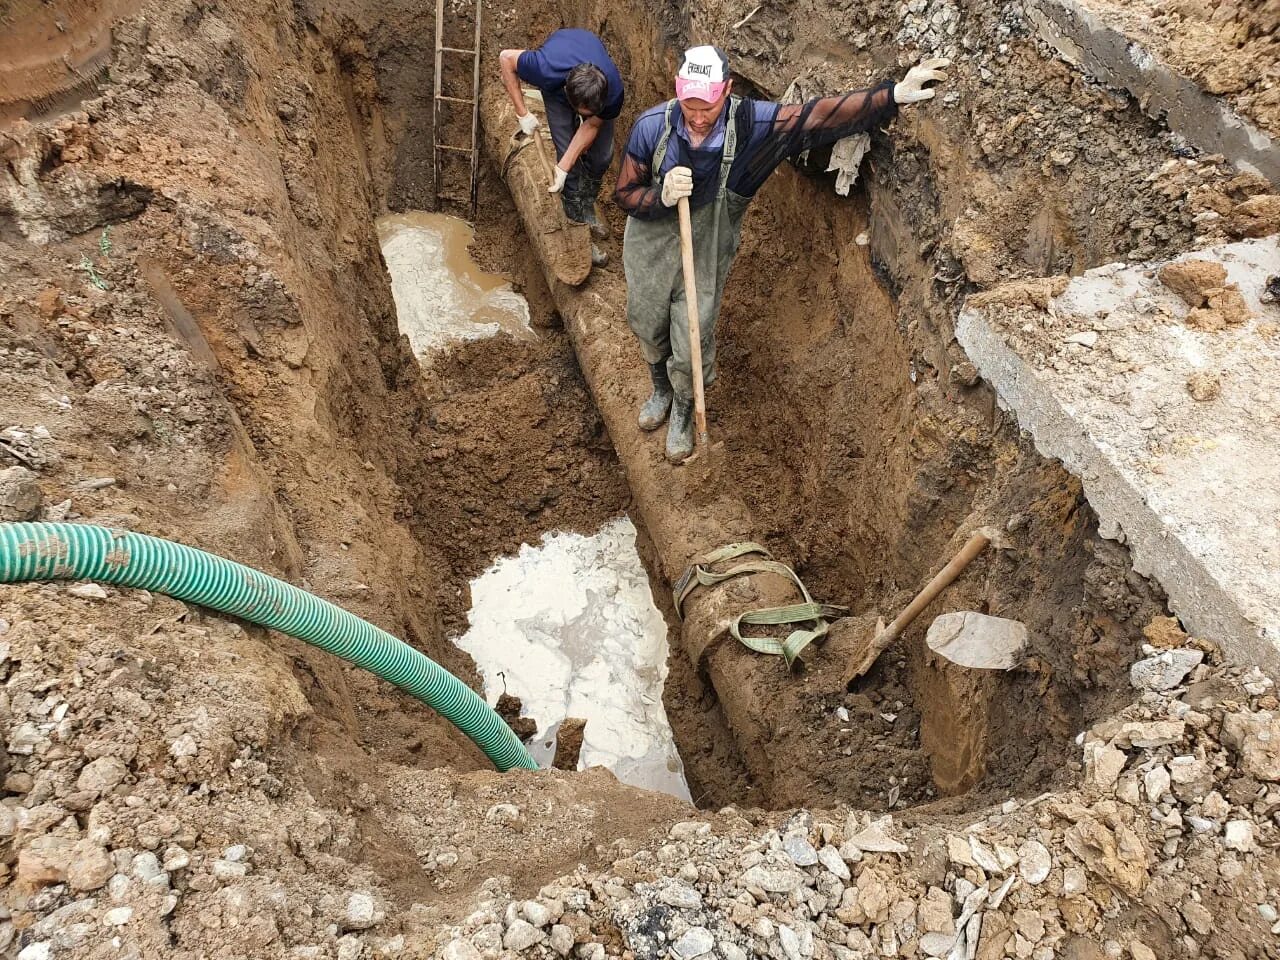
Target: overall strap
730,146
660,151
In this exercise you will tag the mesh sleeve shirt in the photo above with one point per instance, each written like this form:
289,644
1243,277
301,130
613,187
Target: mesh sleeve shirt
767,133
547,67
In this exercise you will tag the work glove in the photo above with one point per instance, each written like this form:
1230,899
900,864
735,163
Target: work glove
912,89
676,185
528,123
558,177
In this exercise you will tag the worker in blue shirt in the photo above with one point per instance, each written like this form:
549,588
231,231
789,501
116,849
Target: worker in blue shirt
717,150
582,91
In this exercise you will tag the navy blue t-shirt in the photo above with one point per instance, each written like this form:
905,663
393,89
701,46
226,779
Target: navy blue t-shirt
547,67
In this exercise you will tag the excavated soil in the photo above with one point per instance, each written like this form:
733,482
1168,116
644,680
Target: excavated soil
197,341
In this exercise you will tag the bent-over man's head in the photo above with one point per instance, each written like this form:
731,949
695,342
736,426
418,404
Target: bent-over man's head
586,89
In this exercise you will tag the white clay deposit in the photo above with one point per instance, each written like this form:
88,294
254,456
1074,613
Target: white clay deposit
441,295
570,627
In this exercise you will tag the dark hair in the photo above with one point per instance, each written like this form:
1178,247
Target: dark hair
586,87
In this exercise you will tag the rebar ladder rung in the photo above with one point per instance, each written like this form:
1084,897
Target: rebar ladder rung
440,98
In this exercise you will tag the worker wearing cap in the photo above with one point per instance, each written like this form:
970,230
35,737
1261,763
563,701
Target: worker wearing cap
717,150
582,92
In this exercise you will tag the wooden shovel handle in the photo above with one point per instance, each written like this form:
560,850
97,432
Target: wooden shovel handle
691,308
944,578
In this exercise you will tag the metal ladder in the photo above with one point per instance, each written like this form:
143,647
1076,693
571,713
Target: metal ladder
440,98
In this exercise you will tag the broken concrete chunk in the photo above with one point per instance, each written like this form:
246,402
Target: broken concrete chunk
1165,670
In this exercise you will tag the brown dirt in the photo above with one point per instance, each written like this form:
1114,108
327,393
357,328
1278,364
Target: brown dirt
195,307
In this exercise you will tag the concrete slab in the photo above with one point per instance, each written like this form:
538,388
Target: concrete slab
1085,39
1103,375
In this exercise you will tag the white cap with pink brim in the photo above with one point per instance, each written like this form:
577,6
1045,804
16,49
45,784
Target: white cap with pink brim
703,74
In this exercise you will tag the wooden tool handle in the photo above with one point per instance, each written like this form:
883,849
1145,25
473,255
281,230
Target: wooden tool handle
974,546
691,308
542,153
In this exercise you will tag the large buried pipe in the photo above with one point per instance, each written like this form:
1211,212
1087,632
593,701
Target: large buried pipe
685,513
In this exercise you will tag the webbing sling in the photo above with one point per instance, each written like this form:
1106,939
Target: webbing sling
699,575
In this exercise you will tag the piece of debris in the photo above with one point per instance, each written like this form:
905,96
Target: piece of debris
569,743
20,497
508,708
1204,386
977,640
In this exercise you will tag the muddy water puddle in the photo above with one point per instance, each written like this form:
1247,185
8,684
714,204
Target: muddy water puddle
570,627
442,296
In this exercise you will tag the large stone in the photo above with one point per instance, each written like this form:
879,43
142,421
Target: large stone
1120,858
1103,763
1151,733
830,858
521,935
773,878
362,912
1165,670
1239,836
45,860
91,868
562,939
20,497
1256,738
933,913
937,944
696,942
800,850
102,775
1034,862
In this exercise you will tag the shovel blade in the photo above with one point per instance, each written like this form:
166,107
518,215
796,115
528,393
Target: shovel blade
976,640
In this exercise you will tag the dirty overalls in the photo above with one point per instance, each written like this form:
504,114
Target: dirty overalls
655,283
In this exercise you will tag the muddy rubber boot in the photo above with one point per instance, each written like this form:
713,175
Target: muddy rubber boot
680,430
588,190
655,408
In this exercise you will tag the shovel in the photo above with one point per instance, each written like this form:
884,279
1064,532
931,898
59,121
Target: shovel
702,444
869,646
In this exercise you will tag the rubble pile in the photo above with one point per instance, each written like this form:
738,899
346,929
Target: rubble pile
1163,850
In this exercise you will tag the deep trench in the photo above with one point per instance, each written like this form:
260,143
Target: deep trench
858,458
860,472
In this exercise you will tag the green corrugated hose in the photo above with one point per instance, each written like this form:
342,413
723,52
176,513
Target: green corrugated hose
74,551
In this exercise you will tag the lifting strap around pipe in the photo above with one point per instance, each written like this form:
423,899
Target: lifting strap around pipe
74,551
